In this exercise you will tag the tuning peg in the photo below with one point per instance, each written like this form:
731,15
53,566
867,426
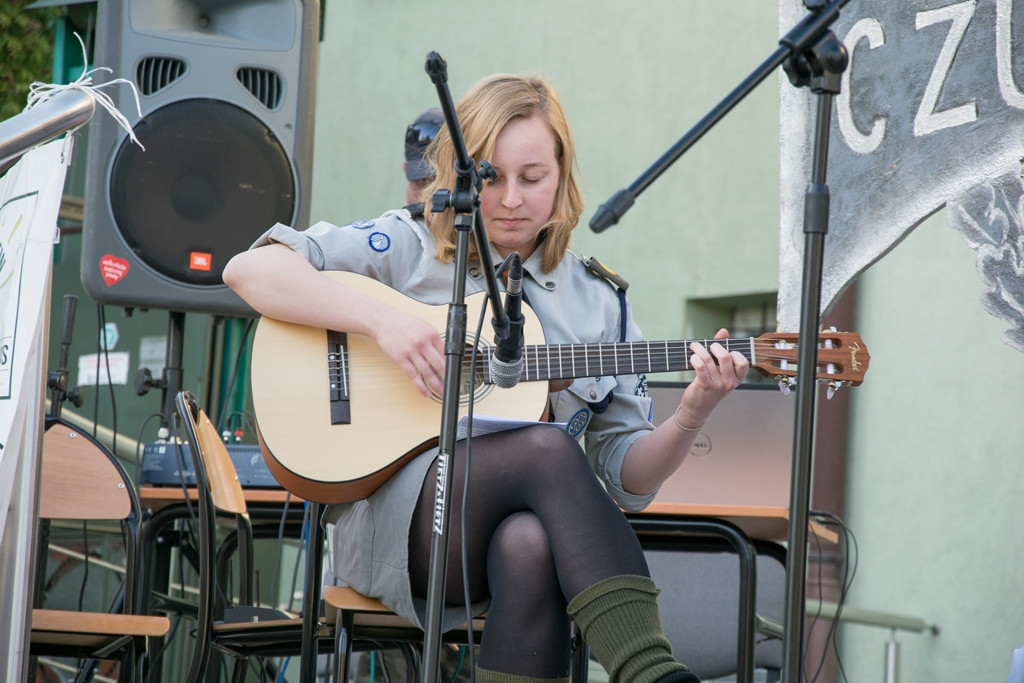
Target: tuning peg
833,387
786,385
830,368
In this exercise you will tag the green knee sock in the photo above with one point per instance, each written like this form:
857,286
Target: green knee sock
486,676
619,619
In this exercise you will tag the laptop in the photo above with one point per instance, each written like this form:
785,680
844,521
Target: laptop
743,454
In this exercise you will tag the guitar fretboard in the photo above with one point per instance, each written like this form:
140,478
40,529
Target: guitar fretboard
567,361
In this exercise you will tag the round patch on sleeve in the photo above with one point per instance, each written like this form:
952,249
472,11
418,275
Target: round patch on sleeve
379,241
578,423
363,225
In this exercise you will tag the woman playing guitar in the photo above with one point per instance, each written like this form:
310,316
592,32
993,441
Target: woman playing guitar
545,538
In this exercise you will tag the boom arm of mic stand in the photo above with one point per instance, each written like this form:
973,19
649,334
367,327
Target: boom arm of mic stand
799,38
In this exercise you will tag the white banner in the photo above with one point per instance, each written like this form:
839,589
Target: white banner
30,195
930,114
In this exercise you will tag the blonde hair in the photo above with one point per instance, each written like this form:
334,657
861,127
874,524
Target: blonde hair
483,112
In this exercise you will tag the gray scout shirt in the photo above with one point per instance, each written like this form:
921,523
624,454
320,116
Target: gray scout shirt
370,537
573,305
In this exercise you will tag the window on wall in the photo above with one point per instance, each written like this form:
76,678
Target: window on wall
747,315
753,320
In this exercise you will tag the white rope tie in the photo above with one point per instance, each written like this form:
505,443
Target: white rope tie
41,92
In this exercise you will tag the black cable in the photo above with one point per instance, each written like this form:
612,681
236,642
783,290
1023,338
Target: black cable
384,670
851,573
167,640
264,664
192,525
850,558
110,383
465,491
306,531
224,420
85,564
96,380
180,453
280,543
139,445
817,616
247,419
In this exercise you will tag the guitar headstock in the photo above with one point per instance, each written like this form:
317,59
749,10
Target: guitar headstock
842,356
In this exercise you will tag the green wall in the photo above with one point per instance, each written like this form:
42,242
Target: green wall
634,78
935,467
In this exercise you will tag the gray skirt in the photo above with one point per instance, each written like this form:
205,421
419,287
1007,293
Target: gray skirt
369,549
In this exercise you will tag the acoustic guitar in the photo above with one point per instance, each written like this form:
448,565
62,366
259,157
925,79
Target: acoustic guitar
337,417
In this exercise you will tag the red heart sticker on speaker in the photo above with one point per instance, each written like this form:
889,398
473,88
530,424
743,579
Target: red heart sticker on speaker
113,268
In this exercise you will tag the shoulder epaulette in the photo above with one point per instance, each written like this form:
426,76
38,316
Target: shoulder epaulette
416,210
602,271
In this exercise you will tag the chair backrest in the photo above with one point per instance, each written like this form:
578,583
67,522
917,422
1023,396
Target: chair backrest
222,478
72,458
82,480
217,490
699,607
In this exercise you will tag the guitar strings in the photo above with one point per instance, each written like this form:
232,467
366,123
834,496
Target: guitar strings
675,354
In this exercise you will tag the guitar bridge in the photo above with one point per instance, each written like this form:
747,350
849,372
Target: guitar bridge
337,378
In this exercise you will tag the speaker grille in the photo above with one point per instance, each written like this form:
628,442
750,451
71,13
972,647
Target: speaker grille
212,178
264,84
156,73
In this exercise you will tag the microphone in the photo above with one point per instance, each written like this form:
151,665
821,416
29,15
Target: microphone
507,359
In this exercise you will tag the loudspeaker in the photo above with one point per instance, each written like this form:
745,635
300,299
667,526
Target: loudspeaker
226,90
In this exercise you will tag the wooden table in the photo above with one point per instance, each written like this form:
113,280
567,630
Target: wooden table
764,522
158,497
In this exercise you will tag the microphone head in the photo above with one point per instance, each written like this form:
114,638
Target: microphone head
515,274
506,374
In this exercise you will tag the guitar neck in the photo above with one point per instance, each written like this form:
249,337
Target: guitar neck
569,361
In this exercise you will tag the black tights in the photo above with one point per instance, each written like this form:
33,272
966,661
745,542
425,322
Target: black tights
539,529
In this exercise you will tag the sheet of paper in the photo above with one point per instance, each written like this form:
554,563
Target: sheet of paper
488,424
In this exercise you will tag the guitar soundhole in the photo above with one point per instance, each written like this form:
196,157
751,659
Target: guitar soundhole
472,381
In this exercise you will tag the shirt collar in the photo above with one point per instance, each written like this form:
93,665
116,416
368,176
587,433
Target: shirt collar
533,264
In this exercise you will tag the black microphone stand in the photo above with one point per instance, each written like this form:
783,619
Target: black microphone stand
57,381
812,56
465,201
820,68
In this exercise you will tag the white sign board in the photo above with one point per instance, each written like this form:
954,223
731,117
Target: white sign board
30,194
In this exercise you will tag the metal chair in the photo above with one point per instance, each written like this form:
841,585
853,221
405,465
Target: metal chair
359,619
232,625
82,480
704,602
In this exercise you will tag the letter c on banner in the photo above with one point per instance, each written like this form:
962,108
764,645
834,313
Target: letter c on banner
858,142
